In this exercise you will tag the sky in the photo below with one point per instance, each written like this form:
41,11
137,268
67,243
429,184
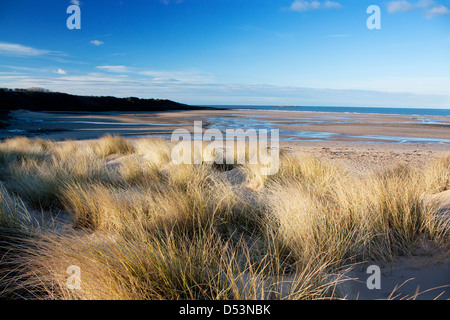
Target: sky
239,52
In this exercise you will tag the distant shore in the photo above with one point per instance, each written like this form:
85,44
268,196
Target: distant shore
39,99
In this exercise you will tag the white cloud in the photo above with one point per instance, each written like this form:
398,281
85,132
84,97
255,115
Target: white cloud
437,11
75,2
302,5
60,71
15,49
399,6
115,69
96,42
428,7
331,5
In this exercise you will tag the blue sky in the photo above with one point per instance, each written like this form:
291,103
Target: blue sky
258,52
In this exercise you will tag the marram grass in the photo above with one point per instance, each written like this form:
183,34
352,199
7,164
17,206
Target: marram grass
141,227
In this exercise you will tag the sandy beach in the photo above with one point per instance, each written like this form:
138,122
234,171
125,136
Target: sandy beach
335,127
360,142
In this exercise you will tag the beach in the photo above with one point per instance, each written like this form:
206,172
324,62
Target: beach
294,126
352,191
360,142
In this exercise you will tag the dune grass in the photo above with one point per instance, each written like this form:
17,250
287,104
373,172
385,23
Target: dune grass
437,175
14,214
144,228
376,217
110,144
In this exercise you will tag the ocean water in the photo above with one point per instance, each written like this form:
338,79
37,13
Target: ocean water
356,110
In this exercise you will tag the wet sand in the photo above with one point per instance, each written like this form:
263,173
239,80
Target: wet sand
360,142
344,126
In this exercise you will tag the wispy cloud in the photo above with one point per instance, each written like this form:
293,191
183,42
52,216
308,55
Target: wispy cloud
190,76
302,5
96,42
226,93
75,2
14,49
115,69
22,68
437,11
400,6
429,8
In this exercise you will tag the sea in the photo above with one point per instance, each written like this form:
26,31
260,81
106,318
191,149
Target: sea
354,110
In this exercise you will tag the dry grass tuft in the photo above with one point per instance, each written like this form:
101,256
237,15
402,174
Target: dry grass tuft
13,212
109,145
437,175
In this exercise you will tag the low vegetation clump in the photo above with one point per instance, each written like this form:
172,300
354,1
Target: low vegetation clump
141,227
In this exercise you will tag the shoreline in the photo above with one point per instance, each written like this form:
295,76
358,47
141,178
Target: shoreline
293,126
329,136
